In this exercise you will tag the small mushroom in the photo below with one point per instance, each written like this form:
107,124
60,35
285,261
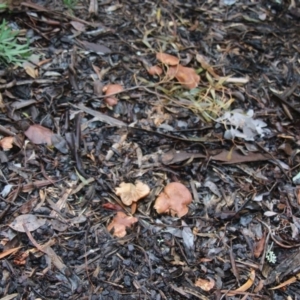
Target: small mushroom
167,59
130,193
109,90
174,199
120,222
186,76
111,101
155,70
7,143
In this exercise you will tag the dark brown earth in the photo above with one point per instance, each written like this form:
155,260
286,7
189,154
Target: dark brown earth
245,194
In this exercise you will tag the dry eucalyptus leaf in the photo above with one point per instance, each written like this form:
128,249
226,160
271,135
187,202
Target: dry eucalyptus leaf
38,134
130,193
243,288
78,26
31,222
120,222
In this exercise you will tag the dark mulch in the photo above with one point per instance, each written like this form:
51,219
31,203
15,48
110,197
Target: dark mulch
157,134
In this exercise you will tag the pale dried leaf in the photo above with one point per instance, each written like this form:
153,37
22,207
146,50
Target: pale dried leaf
187,236
38,134
93,8
32,72
270,213
30,221
78,26
97,48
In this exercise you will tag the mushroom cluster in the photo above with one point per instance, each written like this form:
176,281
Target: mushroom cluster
173,200
187,77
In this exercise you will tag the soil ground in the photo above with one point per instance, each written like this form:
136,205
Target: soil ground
240,237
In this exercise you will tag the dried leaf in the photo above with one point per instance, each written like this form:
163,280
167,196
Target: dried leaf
259,247
174,199
120,222
111,206
205,285
32,72
31,222
213,187
93,8
270,213
97,48
78,26
130,193
227,157
8,252
205,65
187,236
247,285
38,134
287,282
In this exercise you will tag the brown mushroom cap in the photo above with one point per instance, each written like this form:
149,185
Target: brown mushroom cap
111,101
167,59
155,70
186,76
174,200
112,89
130,193
120,222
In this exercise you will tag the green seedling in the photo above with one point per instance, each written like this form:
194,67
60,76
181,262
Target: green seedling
70,4
11,52
3,7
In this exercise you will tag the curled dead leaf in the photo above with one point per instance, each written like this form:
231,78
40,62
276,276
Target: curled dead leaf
185,76
174,199
155,70
120,222
167,59
243,288
130,193
205,285
31,222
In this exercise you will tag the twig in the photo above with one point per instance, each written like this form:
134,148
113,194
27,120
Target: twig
274,239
